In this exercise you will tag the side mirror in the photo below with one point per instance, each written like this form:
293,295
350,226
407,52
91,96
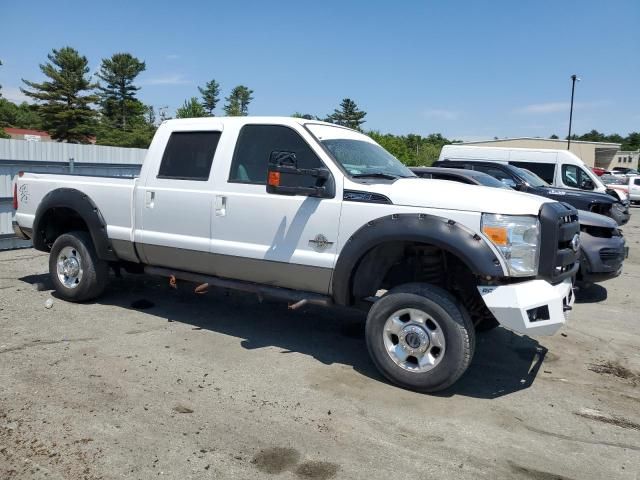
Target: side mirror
285,178
587,184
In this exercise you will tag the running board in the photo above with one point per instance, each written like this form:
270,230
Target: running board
297,297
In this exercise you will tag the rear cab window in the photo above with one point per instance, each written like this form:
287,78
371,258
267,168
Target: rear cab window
189,155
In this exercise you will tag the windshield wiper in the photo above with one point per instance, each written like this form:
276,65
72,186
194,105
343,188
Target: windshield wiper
387,176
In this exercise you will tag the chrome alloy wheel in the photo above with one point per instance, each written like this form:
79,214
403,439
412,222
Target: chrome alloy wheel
414,340
69,267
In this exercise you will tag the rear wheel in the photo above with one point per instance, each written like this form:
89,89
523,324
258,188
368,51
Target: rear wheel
76,271
420,337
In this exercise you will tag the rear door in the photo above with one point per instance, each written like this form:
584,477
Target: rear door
175,202
288,241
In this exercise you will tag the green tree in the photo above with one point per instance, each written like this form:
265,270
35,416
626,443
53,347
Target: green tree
150,115
412,149
19,116
238,102
348,115
118,102
191,109
210,96
554,137
64,100
306,116
631,141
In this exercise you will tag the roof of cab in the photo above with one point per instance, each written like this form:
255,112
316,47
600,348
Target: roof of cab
246,120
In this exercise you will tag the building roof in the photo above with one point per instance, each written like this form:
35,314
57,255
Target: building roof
25,131
603,144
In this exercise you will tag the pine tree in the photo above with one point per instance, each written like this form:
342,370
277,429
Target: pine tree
238,102
349,115
191,109
118,103
61,102
210,96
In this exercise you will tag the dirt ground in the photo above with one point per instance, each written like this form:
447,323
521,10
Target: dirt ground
150,382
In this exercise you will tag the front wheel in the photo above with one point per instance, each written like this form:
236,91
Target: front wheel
420,337
76,271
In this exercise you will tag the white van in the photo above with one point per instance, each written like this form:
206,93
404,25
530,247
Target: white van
559,168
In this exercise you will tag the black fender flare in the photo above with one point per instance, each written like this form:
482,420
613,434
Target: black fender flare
87,210
449,235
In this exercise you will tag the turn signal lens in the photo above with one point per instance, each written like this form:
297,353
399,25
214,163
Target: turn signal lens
498,235
274,179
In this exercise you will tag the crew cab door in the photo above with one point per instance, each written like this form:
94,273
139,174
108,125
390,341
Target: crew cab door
175,200
284,240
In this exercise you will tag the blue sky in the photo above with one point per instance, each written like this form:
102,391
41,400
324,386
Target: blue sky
469,70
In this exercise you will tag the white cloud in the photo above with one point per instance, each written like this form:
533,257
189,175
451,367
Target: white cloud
555,107
441,114
14,95
168,79
173,56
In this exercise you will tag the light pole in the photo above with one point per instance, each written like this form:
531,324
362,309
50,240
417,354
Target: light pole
574,78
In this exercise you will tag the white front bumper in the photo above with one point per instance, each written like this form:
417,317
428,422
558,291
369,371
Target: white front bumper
510,304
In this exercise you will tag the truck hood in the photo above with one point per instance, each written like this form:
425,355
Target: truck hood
568,195
595,220
430,193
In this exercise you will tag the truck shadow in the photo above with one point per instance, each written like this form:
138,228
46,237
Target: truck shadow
504,362
591,294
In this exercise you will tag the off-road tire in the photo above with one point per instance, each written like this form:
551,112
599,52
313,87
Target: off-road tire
95,272
452,318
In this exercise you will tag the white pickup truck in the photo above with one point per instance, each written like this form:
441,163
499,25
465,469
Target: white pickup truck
312,212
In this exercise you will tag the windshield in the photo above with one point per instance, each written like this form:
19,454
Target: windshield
361,159
531,178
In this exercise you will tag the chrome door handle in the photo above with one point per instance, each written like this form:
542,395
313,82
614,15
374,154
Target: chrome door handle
149,199
220,206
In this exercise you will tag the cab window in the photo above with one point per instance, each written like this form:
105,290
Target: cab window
496,173
188,155
574,176
545,171
254,147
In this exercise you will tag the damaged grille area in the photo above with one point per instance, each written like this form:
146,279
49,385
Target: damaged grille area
559,225
611,256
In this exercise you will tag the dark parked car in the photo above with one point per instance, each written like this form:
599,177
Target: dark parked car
603,248
529,182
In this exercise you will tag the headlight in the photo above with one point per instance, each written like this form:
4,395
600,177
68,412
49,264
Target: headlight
518,239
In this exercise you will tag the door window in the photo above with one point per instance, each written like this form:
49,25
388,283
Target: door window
545,171
494,172
254,147
188,155
574,176
636,181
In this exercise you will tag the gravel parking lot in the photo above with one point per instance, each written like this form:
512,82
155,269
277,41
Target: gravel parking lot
154,382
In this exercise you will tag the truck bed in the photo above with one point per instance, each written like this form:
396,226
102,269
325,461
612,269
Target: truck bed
113,194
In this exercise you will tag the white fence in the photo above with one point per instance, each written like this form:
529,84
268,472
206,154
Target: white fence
53,157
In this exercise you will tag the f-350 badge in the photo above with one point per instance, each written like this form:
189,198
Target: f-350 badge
320,242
